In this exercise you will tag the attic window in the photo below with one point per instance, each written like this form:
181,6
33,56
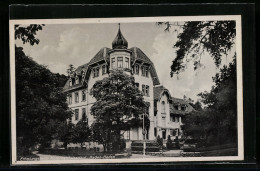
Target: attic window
70,83
77,80
183,108
137,69
95,72
146,71
104,69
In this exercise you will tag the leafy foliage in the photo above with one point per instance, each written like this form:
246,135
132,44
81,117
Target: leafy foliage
81,133
217,122
41,104
216,37
117,102
27,34
65,132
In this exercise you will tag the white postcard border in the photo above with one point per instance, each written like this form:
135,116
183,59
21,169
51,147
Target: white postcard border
240,128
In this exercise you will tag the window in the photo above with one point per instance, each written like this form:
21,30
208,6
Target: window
76,97
143,89
84,113
113,63
147,91
163,107
183,108
143,70
95,72
172,118
70,83
128,135
163,117
77,80
83,95
146,71
70,99
126,62
137,69
164,133
119,62
104,69
137,85
177,119
76,114
155,132
172,132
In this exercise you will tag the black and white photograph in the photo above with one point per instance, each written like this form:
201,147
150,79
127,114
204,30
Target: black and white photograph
126,90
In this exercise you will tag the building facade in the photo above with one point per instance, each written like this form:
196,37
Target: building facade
165,111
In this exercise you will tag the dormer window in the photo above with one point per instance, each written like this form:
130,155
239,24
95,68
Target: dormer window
104,69
143,70
183,108
77,80
70,83
119,62
146,71
137,69
95,72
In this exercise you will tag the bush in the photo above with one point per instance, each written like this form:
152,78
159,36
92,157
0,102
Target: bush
176,142
169,144
148,149
159,141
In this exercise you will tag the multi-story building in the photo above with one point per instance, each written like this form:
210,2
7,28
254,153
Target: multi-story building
165,111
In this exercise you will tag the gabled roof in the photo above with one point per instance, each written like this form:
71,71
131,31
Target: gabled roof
176,101
101,55
138,54
158,91
81,68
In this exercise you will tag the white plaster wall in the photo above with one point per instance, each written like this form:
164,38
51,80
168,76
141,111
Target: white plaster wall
168,123
81,104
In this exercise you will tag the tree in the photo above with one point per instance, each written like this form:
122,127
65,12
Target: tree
27,34
40,102
118,101
217,122
65,132
215,37
81,132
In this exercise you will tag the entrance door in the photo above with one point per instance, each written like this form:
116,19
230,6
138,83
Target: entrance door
164,133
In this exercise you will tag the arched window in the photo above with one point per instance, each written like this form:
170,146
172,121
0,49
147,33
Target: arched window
163,107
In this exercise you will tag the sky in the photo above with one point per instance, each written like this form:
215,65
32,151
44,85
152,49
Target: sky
64,44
